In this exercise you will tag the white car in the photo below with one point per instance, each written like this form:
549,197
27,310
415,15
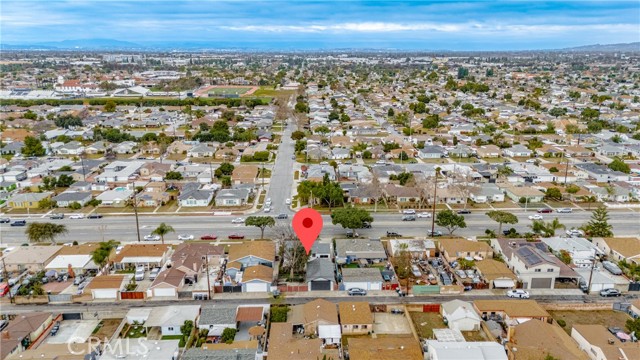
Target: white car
288,201
151,237
408,212
268,201
535,217
185,237
424,215
518,293
76,216
575,233
237,221
267,209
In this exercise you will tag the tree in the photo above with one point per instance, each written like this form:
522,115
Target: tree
450,220
351,218
403,261
100,256
293,254
228,335
162,230
556,112
32,147
261,222
553,194
564,256
110,106
298,135
38,232
390,112
551,227
173,175
431,121
633,325
599,225
46,203
225,169
64,180
619,165
502,217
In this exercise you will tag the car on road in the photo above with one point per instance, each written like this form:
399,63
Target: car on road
151,237
288,201
575,233
535,217
424,214
5,220
351,234
434,233
464,211
236,237
564,210
208,237
518,294
357,291
610,292
185,237
19,223
238,221
267,202
393,234
94,216
282,216
366,225
545,211
56,216
409,218
408,212
76,216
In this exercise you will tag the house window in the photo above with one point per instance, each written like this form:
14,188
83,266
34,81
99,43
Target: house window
170,328
364,327
355,326
549,270
537,270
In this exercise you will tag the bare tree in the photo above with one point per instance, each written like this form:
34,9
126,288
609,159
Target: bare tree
425,187
294,256
463,184
374,191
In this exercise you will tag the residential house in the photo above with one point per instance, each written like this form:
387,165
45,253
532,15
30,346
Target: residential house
27,200
355,317
517,151
620,248
599,344
581,250
318,318
419,249
153,195
170,318
125,147
216,318
530,194
154,171
401,195
192,196
600,173
453,249
22,331
460,315
477,350
117,197
141,255
363,278
256,278
283,345
340,153
365,348
253,253
357,250
245,174
496,274
318,172
533,338
320,274
32,258
67,198
488,151
486,193
201,151
77,258
107,287
70,148
232,197
512,311
432,152
167,283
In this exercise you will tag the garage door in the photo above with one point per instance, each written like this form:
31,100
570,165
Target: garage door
351,285
72,316
541,283
375,286
162,292
256,287
321,285
105,293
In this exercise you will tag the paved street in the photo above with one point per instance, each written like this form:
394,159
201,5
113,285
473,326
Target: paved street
123,227
281,181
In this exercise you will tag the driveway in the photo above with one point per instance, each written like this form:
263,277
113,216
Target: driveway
77,331
386,323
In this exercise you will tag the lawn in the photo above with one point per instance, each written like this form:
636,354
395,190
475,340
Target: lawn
606,318
268,91
136,331
475,336
171,337
226,91
426,322
171,206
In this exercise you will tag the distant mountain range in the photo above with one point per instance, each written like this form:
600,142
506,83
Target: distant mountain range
115,45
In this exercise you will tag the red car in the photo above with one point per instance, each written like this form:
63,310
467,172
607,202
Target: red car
208,237
545,211
236,237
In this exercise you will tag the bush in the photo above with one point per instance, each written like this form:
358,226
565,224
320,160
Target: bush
75,206
182,342
562,323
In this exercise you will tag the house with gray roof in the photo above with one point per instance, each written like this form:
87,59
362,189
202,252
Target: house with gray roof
201,150
231,354
517,151
320,274
69,197
485,193
432,152
363,278
601,173
190,197
216,318
232,197
354,250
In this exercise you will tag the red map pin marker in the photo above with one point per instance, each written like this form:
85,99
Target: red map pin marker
307,223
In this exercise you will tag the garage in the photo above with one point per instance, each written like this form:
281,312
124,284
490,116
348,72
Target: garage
256,287
353,284
541,283
71,316
504,284
104,293
319,285
164,292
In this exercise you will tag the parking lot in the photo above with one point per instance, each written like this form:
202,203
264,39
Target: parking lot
386,323
77,331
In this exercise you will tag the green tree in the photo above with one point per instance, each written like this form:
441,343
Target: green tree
225,169
162,230
564,256
351,218
38,232
450,220
390,112
173,175
553,194
556,112
32,147
261,222
619,165
599,225
431,121
64,180
551,227
633,325
46,203
75,206
502,217
228,335
298,135
110,106
100,256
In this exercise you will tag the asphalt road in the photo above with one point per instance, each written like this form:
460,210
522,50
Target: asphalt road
281,181
123,227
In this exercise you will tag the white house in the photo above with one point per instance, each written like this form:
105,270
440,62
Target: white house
170,318
216,318
460,315
363,278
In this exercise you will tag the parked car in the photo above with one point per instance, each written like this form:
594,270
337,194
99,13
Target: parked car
19,223
357,291
56,216
152,237
94,216
464,211
424,214
612,267
153,274
282,216
288,201
610,292
350,233
185,237
238,221
366,225
564,210
535,217
78,280
434,233
397,311
267,209
5,220
545,211
409,218
236,237
208,237
139,274
461,274
518,293
408,212
393,234
76,216
575,233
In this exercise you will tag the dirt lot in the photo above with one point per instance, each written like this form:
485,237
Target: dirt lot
106,328
603,317
475,336
426,322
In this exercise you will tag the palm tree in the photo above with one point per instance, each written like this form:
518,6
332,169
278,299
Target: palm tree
162,230
552,226
589,199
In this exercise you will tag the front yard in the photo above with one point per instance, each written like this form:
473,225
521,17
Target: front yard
606,318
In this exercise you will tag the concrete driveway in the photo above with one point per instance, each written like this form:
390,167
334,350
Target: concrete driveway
386,323
76,331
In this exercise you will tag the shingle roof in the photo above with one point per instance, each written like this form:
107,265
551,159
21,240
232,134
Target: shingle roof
218,314
355,312
320,269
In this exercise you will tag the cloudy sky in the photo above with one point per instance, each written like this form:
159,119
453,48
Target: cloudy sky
469,25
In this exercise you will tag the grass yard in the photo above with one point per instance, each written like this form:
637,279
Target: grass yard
136,331
171,206
493,160
475,336
171,337
226,91
603,317
426,322
269,91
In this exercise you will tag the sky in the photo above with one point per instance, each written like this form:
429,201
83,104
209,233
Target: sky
419,25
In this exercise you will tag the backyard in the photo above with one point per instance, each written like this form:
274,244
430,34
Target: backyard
606,318
426,322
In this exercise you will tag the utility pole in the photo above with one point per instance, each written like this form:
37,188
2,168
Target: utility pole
433,211
566,170
593,266
135,209
206,261
211,171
